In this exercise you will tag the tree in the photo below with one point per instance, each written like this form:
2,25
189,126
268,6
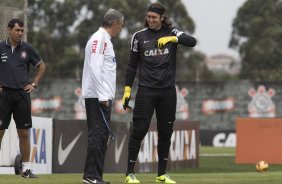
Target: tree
257,34
133,22
60,30
181,19
49,31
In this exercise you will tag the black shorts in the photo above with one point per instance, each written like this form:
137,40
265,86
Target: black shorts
18,103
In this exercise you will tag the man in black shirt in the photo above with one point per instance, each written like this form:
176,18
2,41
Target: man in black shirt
15,87
153,50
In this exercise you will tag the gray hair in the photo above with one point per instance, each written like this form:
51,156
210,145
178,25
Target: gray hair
111,17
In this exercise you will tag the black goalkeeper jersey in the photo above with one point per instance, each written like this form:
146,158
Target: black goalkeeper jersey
157,67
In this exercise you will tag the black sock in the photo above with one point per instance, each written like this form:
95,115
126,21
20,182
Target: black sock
163,150
133,150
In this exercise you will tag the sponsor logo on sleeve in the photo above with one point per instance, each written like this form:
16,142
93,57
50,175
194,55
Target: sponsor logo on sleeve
4,57
94,46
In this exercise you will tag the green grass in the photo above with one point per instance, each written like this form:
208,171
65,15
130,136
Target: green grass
213,150
211,170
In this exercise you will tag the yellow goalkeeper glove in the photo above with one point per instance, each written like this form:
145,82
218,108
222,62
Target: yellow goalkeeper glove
126,97
164,40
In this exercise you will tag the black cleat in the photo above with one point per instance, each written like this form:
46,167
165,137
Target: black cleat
93,180
28,174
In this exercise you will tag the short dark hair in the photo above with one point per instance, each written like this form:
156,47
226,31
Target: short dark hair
12,23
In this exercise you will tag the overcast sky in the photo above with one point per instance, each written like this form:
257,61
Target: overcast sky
213,20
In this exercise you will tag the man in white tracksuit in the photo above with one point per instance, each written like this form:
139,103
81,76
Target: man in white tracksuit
98,90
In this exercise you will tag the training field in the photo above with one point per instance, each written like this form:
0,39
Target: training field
216,167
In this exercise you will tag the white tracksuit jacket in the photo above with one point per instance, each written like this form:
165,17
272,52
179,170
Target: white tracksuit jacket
99,71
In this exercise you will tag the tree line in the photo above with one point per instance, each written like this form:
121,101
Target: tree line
59,29
257,35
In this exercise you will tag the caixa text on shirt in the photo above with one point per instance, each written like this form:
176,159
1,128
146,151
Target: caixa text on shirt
156,52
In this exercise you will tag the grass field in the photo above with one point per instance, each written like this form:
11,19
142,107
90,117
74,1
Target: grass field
213,169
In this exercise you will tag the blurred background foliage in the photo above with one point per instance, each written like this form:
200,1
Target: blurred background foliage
59,29
257,35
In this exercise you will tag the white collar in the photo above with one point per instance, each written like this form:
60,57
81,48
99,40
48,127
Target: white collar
107,34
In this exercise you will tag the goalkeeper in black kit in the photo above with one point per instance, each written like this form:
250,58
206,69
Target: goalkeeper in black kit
153,51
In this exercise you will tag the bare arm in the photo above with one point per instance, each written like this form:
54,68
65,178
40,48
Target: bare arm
39,72
40,69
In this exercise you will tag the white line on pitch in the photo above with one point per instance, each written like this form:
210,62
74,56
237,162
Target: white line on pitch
217,154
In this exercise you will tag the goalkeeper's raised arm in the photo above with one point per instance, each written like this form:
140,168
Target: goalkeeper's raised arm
180,37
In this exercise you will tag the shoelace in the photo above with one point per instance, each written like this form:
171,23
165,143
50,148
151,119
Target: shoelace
132,176
167,176
28,171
